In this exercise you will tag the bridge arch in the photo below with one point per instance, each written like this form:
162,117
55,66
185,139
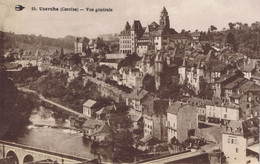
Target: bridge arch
28,158
12,154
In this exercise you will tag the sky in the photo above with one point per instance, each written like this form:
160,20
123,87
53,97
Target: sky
183,14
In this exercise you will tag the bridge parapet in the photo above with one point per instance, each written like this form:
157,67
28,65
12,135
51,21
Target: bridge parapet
24,151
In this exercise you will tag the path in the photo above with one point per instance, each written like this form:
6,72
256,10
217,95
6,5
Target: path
52,102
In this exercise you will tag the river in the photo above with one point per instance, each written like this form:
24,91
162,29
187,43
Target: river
55,134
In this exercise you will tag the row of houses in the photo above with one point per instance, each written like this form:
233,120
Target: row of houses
95,123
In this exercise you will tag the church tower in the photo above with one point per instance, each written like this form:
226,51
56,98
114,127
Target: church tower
164,19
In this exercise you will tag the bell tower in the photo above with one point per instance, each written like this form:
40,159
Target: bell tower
164,19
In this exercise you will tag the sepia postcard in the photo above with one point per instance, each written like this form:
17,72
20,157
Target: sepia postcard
129,81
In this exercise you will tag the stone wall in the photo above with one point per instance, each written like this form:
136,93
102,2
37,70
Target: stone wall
107,90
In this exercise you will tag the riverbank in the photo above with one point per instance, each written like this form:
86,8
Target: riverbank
72,129
41,97
4,127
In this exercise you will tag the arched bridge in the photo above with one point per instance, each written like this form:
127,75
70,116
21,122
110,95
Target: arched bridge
22,154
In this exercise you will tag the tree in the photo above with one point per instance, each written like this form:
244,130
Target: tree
123,145
231,25
230,39
149,83
76,59
205,91
15,106
213,28
61,52
130,60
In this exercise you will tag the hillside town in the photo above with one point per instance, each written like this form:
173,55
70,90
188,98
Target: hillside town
150,91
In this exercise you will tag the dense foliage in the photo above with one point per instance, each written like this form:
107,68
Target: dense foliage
73,95
10,40
242,37
15,106
26,75
149,83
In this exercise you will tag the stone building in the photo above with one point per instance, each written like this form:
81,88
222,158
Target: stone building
154,118
154,37
129,36
240,141
81,44
182,121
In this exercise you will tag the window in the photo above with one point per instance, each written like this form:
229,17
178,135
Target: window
228,140
236,150
232,141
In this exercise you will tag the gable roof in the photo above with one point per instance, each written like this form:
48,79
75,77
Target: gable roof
138,93
246,128
225,77
92,123
246,86
251,127
248,67
256,75
198,102
100,111
174,108
89,103
235,83
254,88
76,68
104,129
135,117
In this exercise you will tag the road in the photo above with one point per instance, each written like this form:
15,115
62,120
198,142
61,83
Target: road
62,107
175,157
52,102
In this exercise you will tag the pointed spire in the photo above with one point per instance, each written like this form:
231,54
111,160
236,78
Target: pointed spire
199,64
158,58
37,52
144,58
164,11
146,29
209,56
127,26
